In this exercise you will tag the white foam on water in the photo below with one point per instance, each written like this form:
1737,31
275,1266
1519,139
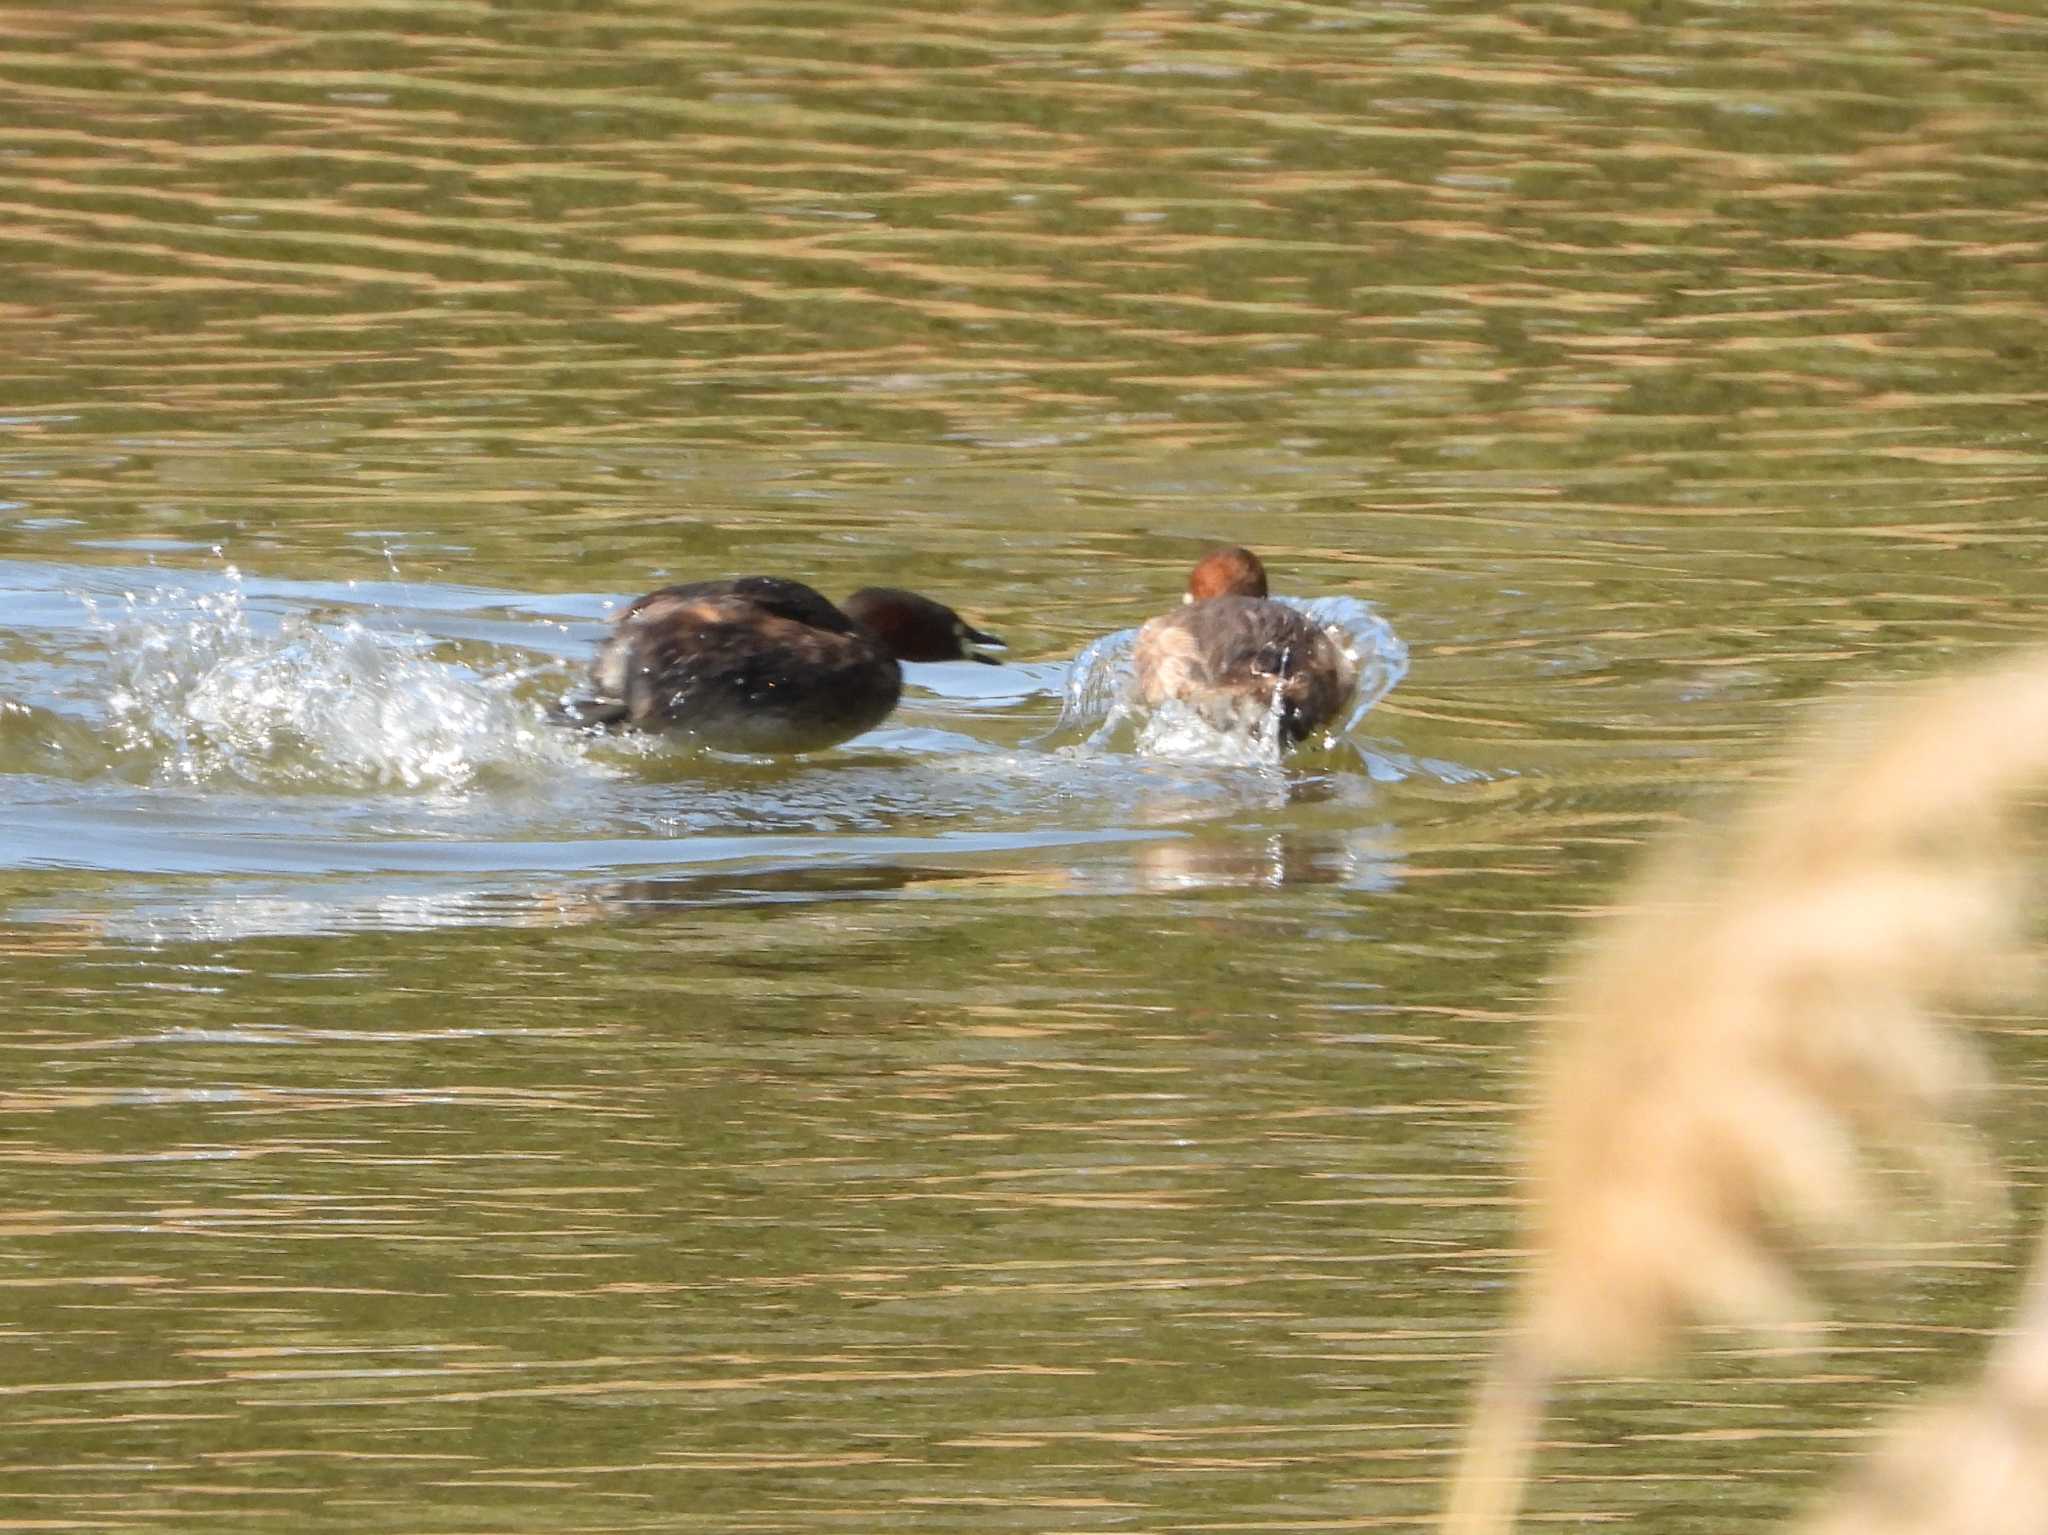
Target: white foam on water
204,690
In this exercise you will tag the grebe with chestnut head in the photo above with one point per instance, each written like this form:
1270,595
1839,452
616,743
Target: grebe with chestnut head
1242,662
765,665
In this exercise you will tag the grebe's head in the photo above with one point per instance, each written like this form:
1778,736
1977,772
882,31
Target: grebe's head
1226,573
914,628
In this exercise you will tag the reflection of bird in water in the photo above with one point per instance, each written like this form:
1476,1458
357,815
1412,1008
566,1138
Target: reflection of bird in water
1766,1008
1361,859
1243,663
761,664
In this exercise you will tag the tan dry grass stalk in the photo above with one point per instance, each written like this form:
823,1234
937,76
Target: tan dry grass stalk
1729,1051
1975,1464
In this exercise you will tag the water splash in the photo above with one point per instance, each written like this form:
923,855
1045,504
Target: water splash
1100,705
207,689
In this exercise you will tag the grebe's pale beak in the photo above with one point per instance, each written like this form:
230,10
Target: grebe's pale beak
969,635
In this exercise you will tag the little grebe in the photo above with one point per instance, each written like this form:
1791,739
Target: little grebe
1240,661
761,664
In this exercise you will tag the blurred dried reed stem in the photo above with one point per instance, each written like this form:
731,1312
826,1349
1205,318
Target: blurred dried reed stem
1736,1051
1975,1464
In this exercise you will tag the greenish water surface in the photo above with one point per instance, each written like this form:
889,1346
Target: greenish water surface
420,1120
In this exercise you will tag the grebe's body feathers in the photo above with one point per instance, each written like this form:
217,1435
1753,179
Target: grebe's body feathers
761,664
1246,665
